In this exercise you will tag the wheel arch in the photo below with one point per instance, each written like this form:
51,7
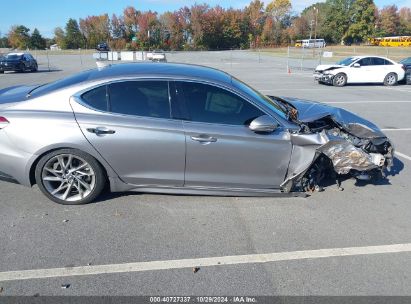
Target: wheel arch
107,170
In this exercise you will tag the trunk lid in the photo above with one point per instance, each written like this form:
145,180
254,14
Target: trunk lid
12,95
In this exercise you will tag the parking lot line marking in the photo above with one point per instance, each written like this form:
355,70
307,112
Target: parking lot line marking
403,155
202,262
369,101
399,129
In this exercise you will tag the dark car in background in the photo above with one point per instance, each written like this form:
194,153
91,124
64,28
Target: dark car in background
102,47
407,64
20,62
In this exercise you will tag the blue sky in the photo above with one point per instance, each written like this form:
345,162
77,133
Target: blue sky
48,14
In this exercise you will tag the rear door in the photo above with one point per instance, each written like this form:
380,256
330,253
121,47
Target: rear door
221,150
380,68
130,124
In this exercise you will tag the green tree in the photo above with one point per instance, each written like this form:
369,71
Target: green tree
37,41
19,37
60,37
337,19
362,21
73,38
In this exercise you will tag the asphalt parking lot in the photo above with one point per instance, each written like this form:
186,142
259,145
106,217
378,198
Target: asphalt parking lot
240,237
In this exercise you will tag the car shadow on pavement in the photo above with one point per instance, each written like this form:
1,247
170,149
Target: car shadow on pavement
397,167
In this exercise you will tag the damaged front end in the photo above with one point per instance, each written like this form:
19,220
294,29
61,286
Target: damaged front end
332,143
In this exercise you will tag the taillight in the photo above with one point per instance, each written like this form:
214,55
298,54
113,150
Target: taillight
3,122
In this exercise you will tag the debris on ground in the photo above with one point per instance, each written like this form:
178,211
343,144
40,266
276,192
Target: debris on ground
196,269
65,221
65,286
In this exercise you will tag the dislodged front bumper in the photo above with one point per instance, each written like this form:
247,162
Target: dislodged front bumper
326,78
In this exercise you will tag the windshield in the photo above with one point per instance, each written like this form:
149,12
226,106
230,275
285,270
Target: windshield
260,97
347,61
13,57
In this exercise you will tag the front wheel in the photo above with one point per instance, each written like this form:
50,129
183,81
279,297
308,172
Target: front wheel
70,177
35,68
391,79
340,80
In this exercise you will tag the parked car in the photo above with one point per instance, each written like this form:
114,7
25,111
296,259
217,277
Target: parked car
175,128
407,64
157,56
360,69
20,62
103,47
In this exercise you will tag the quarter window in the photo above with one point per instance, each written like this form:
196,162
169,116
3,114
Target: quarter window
211,104
96,98
141,98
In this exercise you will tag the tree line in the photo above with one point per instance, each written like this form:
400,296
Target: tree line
203,27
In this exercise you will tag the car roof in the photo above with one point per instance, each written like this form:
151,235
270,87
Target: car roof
138,70
165,70
17,54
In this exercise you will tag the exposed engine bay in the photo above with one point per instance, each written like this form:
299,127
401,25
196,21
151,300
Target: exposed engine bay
333,143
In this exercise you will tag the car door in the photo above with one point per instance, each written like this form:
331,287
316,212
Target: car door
380,68
221,151
363,73
131,126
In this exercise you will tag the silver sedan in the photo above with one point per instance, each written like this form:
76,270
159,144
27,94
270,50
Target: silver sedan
174,128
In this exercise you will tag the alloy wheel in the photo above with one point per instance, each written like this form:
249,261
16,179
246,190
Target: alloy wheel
68,177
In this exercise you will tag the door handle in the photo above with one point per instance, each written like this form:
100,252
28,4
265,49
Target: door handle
204,139
100,131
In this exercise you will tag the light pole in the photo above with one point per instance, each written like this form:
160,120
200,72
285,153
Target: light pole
315,24
311,27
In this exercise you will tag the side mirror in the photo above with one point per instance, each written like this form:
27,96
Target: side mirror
356,65
263,123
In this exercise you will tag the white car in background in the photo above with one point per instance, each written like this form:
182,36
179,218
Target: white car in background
361,69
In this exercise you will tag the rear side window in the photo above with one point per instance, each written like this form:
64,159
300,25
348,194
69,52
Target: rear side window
211,104
380,61
96,98
140,98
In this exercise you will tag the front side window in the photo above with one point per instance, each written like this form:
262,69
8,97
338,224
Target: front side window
140,98
365,61
210,104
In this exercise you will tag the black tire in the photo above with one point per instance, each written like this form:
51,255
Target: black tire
1,72
340,80
22,68
97,172
391,79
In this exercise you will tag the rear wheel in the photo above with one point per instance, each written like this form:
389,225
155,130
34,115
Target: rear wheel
1,72
391,79
340,80
70,177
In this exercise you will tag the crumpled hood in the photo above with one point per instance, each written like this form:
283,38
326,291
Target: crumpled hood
325,67
309,111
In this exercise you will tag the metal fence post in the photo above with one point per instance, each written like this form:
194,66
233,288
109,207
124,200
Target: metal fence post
288,59
302,59
81,59
48,60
